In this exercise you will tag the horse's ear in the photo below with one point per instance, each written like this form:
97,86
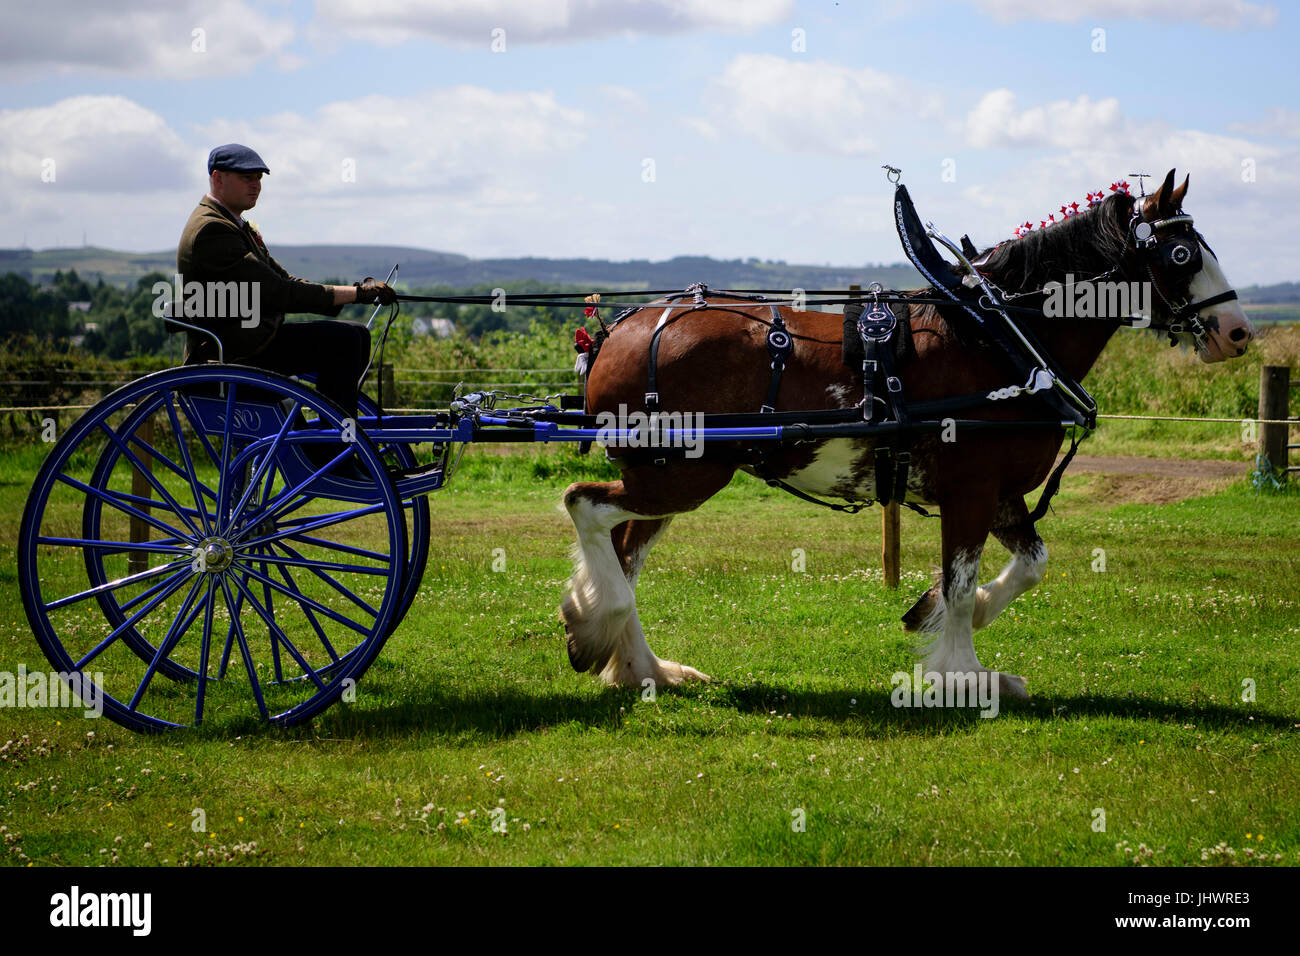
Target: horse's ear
1158,205
1177,199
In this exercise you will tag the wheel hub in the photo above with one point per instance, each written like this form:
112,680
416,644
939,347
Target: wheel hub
212,555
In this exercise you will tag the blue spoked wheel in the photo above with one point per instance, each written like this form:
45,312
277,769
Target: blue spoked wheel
213,540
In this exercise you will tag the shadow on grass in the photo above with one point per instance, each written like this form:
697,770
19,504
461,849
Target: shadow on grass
700,711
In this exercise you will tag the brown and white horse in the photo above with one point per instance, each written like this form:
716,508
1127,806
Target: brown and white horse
711,360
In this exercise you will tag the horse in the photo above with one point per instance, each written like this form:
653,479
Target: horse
714,359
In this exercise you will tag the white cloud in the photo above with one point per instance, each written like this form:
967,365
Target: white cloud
1215,14
623,101
1096,138
389,22
102,144
700,126
1069,124
816,106
450,139
1279,121
153,38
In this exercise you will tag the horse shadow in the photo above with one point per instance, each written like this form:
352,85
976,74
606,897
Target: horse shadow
506,712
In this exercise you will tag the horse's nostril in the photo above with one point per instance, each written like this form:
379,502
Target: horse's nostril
1237,334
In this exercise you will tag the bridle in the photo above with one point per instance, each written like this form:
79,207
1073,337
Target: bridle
1178,253
1163,248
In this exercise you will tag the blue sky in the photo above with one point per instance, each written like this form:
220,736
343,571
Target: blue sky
646,129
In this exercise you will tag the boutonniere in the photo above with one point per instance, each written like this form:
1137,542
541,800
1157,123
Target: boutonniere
257,234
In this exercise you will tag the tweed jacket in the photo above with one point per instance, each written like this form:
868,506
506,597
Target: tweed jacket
218,246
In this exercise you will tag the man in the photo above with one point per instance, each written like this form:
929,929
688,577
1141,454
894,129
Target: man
219,245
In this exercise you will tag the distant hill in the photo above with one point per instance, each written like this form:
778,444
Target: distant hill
424,267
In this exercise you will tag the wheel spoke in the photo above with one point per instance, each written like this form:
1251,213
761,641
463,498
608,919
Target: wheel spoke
223,479
171,466
190,473
168,588
311,617
277,507
335,546
110,498
238,630
151,478
300,562
183,402
280,635
114,547
309,602
310,524
165,646
204,649
265,463
107,586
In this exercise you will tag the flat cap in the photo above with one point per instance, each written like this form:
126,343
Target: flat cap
237,159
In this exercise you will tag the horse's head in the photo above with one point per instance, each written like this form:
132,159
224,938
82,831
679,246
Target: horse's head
1193,299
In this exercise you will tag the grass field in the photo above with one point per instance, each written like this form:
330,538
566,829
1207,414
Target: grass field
793,755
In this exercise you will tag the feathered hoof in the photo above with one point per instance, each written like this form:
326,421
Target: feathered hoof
582,655
923,611
675,674
1010,685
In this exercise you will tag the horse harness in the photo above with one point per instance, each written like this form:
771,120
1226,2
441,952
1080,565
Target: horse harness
1161,248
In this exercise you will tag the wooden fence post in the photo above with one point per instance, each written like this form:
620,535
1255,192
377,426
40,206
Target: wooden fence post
137,561
889,542
1274,395
387,387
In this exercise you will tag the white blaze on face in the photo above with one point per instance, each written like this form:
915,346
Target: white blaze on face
1228,330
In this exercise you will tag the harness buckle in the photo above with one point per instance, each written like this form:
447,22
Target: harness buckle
893,384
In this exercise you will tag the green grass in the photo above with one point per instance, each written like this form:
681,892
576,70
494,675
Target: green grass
1137,710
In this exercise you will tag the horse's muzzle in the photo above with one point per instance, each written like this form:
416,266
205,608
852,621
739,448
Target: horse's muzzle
1228,333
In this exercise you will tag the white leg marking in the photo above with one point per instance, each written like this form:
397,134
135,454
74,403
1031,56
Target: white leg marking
954,648
1025,569
600,610
600,599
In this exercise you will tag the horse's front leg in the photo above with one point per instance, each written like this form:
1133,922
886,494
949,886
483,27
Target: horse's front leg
966,522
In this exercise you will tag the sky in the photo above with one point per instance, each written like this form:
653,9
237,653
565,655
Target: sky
646,129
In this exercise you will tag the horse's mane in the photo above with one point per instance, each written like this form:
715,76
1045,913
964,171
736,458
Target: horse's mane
1086,244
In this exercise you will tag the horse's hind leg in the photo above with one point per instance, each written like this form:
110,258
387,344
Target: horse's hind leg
599,612
632,661
1026,568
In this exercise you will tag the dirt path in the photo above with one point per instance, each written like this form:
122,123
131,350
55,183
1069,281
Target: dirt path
1157,480
1168,467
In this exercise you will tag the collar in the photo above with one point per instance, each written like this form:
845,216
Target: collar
214,201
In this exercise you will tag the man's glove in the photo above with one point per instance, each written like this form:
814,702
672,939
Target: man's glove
369,292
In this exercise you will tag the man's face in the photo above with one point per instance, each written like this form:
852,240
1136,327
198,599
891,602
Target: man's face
238,191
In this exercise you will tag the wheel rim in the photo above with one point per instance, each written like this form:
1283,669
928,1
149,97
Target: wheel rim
418,522
262,579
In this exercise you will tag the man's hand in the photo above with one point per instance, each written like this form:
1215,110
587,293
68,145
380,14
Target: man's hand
369,292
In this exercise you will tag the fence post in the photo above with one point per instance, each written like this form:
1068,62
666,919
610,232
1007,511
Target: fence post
1274,393
137,561
889,530
387,387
